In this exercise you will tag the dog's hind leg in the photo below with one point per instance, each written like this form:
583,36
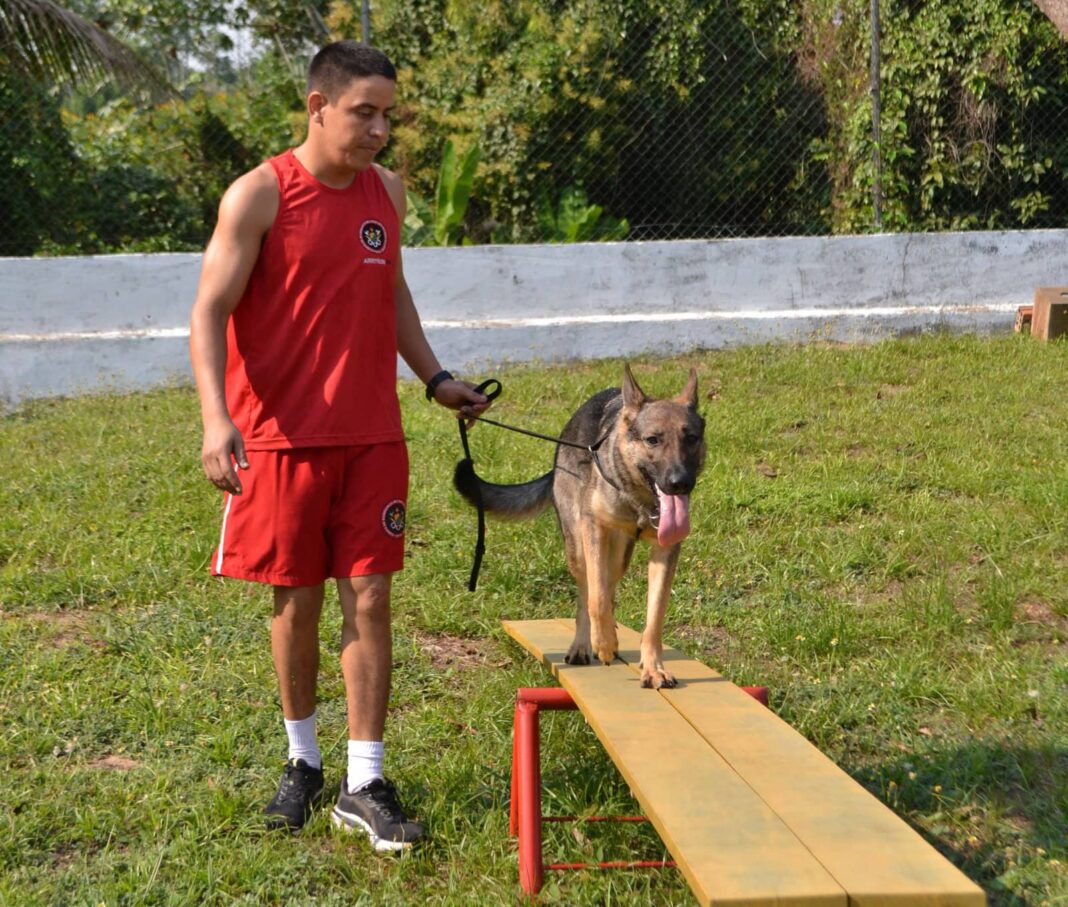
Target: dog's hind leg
607,552
662,563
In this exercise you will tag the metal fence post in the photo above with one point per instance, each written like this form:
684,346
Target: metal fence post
876,128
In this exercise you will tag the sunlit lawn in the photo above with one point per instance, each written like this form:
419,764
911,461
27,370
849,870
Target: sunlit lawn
879,536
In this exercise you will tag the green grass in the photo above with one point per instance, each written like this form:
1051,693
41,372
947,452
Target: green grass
880,537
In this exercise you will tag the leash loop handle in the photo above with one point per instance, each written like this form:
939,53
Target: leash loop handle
491,389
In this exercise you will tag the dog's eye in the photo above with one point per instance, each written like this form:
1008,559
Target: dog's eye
652,440
691,440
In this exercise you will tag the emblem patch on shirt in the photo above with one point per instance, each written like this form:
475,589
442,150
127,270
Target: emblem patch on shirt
373,235
393,519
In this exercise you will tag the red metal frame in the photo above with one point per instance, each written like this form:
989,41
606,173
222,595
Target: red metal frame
524,815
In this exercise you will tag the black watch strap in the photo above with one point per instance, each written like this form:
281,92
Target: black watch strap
432,384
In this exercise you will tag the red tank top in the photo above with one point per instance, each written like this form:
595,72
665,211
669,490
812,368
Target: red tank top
312,345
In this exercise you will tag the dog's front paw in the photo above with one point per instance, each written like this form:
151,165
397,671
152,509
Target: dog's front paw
606,655
658,679
579,654
605,642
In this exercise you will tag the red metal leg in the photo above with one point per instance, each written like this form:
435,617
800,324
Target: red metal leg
513,803
530,869
524,813
553,698
760,694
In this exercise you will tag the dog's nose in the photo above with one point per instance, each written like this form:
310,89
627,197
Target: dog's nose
678,481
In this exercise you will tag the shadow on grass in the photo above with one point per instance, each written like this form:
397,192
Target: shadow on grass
1011,798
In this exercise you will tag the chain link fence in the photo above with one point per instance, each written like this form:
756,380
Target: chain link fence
674,120
726,148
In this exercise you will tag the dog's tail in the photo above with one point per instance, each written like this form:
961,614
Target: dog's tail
509,502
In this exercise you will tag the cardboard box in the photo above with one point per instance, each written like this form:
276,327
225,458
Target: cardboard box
1050,317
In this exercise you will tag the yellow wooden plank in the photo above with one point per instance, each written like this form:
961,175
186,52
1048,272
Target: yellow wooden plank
871,852
731,847
876,856
546,640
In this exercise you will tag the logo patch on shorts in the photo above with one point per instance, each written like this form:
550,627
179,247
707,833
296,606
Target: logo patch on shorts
373,235
393,519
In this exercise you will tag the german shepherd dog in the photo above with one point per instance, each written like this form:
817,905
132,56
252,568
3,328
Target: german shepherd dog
635,483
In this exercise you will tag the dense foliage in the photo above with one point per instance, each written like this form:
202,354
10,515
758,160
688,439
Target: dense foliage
639,104
675,118
158,173
973,100
36,160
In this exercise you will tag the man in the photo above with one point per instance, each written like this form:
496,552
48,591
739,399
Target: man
301,310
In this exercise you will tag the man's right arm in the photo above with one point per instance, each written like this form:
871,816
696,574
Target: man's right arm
246,213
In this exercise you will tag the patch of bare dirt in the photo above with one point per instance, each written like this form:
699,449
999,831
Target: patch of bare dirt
445,651
115,763
714,641
65,858
1036,612
890,390
1020,823
63,629
1038,624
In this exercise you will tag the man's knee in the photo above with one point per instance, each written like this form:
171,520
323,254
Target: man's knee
367,597
298,604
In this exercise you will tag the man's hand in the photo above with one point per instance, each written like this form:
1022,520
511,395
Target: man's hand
461,396
223,445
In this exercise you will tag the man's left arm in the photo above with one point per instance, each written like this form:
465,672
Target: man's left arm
412,344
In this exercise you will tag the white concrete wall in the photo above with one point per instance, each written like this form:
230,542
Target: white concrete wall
74,324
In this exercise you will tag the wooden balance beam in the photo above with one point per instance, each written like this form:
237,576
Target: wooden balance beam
752,813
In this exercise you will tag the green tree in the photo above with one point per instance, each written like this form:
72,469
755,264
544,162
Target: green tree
194,40
609,96
112,171
43,45
177,160
972,126
44,42
38,167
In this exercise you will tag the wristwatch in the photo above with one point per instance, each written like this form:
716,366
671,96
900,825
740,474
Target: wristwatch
432,384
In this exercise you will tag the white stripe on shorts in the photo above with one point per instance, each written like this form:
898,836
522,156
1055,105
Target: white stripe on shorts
222,533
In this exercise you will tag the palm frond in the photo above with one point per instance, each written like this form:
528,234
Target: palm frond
50,44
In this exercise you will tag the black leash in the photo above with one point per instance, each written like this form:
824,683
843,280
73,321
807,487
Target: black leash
491,390
487,389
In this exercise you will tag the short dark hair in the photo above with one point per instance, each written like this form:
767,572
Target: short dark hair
337,64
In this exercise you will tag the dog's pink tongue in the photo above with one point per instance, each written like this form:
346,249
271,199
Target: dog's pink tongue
674,523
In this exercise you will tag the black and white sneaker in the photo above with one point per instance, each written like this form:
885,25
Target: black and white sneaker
299,792
375,810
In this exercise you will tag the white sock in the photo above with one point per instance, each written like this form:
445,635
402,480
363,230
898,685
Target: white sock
365,763
302,741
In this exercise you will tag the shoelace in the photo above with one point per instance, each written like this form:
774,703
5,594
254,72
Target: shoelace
385,798
290,785
287,789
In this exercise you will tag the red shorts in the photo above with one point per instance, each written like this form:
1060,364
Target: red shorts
310,513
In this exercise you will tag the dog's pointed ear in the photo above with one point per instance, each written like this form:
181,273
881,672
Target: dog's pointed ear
689,393
633,396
